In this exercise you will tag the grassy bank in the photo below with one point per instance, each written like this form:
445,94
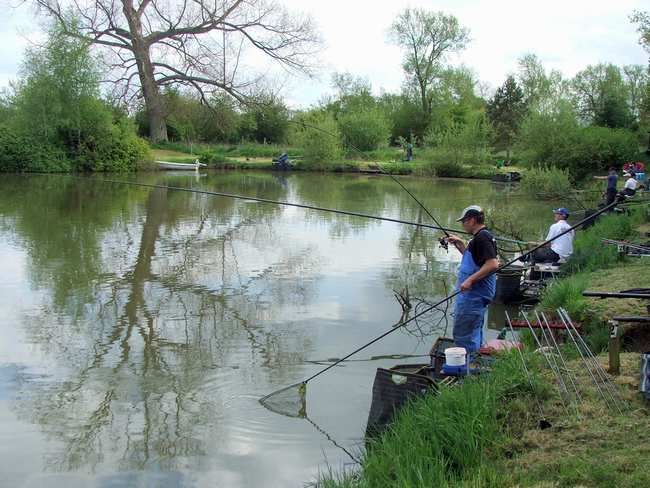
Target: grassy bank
449,439
484,434
258,156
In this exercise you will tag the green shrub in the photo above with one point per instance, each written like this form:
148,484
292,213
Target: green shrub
319,140
447,169
366,130
115,149
546,182
566,293
20,153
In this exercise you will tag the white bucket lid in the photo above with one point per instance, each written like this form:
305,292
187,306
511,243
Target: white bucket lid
455,351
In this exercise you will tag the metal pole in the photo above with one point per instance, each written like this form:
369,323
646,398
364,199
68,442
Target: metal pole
586,362
612,390
547,361
559,352
556,366
543,423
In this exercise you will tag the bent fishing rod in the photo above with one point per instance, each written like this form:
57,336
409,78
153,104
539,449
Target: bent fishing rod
290,204
277,202
446,299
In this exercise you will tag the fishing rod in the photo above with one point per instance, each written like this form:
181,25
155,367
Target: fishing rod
278,202
290,204
600,372
303,384
585,359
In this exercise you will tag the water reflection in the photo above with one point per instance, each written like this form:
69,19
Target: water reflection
157,318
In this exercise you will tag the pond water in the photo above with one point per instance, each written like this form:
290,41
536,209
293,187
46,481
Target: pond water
140,326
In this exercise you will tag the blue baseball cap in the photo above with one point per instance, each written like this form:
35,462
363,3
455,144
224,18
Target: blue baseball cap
562,211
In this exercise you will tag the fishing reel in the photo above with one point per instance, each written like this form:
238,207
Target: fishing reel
444,243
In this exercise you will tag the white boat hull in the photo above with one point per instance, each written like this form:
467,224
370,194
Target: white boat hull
180,166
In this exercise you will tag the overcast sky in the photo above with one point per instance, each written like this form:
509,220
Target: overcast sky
567,35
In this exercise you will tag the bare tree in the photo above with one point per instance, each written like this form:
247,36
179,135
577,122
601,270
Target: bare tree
426,37
194,43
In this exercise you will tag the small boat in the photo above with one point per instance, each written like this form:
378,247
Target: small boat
181,166
508,177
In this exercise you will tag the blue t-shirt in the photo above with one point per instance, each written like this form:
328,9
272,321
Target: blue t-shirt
611,182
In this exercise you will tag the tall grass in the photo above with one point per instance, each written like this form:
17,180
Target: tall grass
449,439
567,293
589,252
546,183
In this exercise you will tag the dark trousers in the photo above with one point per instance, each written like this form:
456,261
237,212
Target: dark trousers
545,255
626,192
611,196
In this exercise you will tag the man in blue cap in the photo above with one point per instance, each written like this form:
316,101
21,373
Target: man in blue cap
560,248
476,279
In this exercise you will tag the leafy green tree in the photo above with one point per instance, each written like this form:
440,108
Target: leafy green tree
461,142
506,111
426,39
637,78
454,99
362,122
555,138
58,115
542,89
272,120
601,96
405,116
220,121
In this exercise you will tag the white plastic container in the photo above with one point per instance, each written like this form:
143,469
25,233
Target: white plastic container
455,356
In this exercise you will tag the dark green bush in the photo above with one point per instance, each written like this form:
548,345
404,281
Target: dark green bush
116,149
19,153
557,140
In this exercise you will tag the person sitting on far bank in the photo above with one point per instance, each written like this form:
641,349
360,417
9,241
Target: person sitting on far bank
630,187
560,248
476,279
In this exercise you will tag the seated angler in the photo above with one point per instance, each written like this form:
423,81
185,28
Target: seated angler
562,247
631,185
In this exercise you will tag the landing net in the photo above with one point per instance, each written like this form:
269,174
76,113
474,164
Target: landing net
290,401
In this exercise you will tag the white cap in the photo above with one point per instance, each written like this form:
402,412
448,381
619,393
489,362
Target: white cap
471,211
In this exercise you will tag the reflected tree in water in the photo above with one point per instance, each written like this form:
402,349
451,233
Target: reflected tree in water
148,348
